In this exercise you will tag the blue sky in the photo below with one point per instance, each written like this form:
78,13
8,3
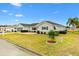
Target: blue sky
13,13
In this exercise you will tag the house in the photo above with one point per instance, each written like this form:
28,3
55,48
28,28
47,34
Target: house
27,27
44,26
8,28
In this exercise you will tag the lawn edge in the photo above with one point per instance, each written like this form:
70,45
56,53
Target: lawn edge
23,48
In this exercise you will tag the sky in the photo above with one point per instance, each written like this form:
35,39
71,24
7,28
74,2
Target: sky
13,13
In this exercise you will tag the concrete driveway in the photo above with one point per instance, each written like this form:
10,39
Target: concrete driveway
8,49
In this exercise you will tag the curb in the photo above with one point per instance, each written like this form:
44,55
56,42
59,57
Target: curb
29,50
24,49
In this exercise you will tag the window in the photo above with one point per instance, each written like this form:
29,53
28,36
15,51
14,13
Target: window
15,28
19,29
45,28
33,28
54,28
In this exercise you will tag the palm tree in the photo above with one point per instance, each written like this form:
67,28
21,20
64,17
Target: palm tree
76,22
71,22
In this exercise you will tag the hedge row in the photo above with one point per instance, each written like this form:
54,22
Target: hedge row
56,32
40,32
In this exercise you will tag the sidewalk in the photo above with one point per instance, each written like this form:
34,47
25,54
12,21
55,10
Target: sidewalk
8,49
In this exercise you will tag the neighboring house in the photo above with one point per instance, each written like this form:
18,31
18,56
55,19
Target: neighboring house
27,27
7,28
44,26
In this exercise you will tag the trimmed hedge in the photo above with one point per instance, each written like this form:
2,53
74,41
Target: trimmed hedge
24,30
63,32
34,31
41,32
38,32
44,32
56,32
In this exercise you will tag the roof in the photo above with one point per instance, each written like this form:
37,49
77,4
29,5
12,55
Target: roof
33,24
8,25
55,23
5,25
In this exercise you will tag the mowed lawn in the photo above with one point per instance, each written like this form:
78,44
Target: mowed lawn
67,44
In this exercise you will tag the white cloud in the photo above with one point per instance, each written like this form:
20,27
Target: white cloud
16,4
19,15
4,11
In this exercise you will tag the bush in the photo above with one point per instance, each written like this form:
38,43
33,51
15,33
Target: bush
56,33
52,34
41,32
38,32
44,32
34,31
24,30
63,32
15,31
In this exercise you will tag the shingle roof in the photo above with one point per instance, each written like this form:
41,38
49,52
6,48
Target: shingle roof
5,25
33,24
55,23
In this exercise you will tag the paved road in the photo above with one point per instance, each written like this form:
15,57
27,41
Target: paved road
8,49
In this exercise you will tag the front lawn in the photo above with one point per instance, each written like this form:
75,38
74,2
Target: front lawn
67,44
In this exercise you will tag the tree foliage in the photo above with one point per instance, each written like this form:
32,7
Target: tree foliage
73,21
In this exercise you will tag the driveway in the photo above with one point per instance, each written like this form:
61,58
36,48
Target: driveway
8,49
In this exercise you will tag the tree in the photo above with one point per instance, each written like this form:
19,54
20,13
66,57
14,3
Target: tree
73,22
77,22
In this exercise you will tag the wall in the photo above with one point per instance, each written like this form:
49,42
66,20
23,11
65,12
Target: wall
50,27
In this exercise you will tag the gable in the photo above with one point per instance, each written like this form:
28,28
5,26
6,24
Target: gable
19,25
49,23
44,24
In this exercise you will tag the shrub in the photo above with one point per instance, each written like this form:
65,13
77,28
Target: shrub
63,32
24,30
56,33
67,27
15,31
34,31
41,32
51,34
38,32
44,32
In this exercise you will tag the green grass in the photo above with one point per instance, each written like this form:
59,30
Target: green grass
67,44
